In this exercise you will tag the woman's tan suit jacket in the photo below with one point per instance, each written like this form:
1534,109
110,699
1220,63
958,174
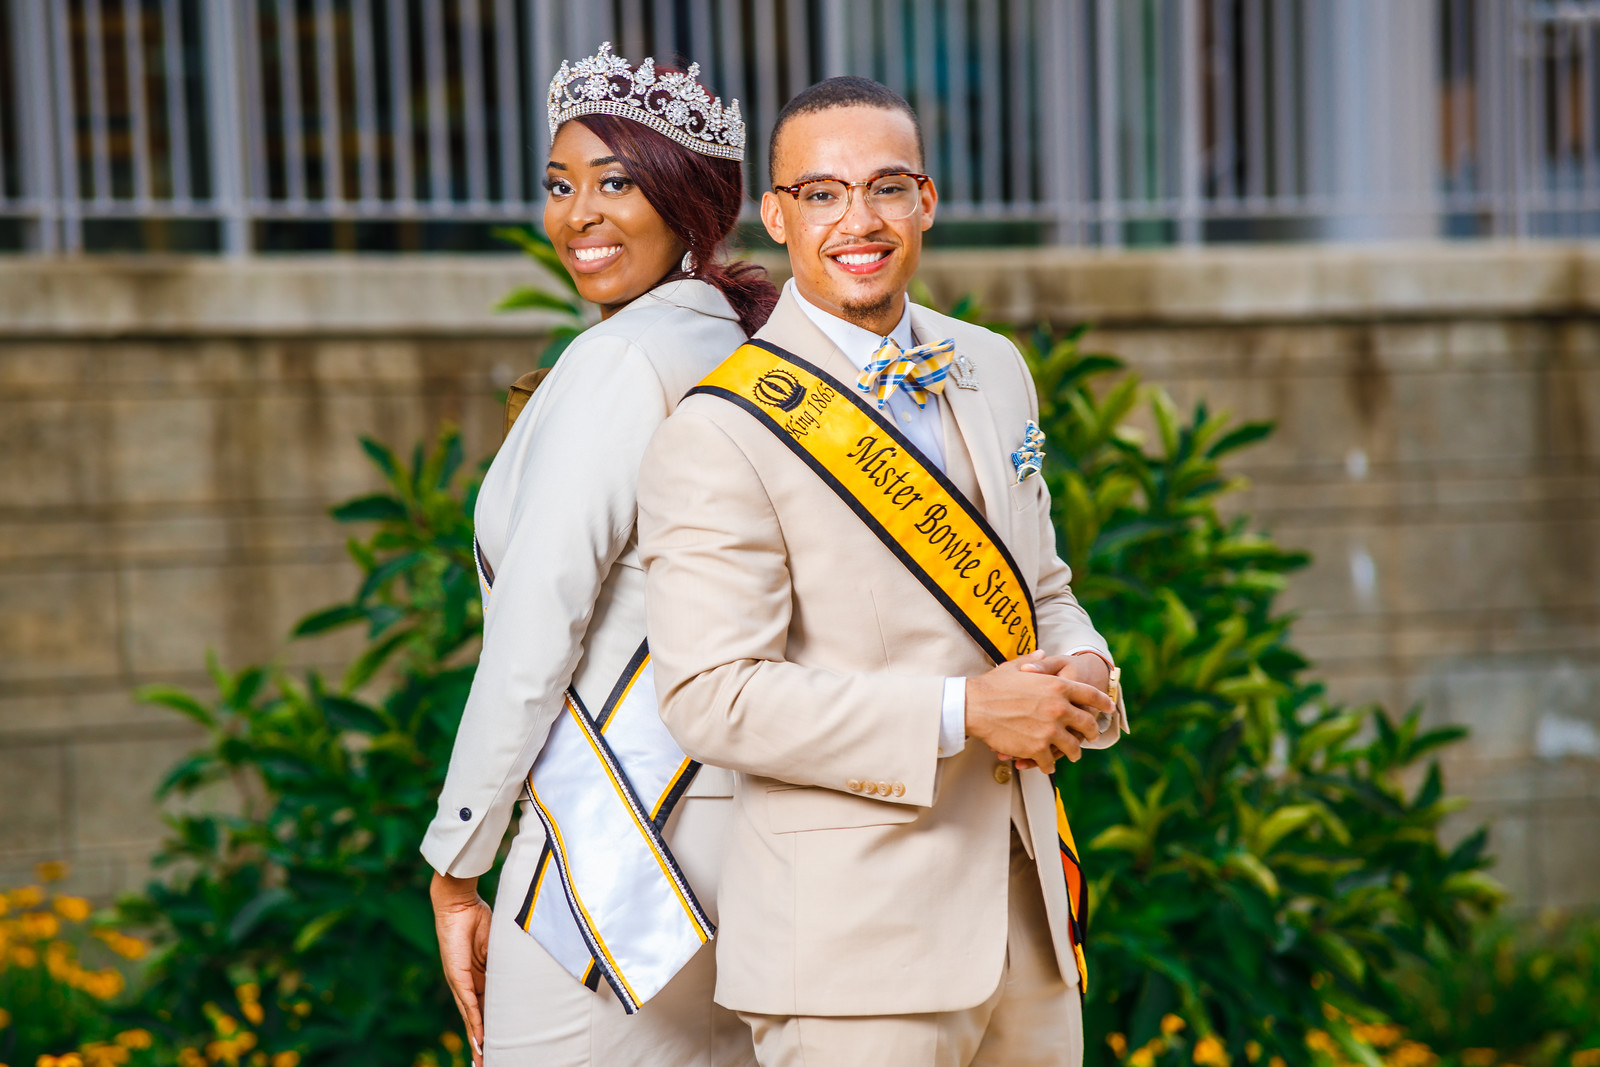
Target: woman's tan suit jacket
791,646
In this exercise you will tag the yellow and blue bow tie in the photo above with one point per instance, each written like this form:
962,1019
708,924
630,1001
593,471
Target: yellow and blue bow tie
919,371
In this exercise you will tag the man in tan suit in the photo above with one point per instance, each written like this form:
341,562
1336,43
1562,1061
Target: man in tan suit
893,891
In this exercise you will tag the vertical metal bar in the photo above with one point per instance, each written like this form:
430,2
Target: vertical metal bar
990,190
1191,96
1106,122
661,25
438,103
1255,96
1456,79
35,69
730,60
925,79
364,56
1586,121
10,38
294,152
251,42
700,42
223,112
799,41
834,62
66,127
957,103
1564,156
631,32
542,66
401,148
1135,89
329,131
138,106
471,42
1225,148
172,67
94,65
765,89
1020,94
1285,121
892,30
508,102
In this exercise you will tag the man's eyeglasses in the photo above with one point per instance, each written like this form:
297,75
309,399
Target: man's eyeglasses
824,201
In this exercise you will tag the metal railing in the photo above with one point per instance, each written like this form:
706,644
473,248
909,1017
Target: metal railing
1072,121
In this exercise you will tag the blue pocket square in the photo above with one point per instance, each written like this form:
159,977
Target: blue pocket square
1030,457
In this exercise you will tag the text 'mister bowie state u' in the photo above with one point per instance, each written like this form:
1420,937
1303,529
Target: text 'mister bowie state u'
830,583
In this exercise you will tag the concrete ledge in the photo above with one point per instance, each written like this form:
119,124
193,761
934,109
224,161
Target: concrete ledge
453,295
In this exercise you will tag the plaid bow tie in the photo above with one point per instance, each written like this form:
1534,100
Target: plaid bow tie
919,371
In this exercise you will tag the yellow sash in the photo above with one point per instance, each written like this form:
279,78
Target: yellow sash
911,506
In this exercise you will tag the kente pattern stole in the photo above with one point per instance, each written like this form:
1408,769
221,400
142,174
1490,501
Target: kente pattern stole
913,508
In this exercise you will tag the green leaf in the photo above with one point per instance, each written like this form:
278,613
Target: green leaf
1253,869
317,928
328,619
1280,824
247,918
176,699
1119,838
379,507
528,298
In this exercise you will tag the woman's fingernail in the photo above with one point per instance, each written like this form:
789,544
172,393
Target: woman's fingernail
478,1047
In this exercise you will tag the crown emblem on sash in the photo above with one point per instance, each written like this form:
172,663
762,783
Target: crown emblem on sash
674,105
780,389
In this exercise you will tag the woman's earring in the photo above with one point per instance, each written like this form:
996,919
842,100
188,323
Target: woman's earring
687,266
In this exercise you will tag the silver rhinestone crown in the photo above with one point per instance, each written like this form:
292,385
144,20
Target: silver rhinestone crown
674,105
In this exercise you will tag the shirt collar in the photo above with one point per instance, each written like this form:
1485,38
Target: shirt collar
857,344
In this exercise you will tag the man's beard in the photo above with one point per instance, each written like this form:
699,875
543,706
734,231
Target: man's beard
867,309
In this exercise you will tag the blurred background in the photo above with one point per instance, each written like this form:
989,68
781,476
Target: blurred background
239,233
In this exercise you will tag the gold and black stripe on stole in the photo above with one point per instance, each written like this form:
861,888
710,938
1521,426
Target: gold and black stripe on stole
826,424
659,814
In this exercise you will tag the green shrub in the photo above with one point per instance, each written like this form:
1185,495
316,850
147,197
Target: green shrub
1257,860
1254,853
313,893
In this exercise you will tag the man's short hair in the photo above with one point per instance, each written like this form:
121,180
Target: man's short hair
844,91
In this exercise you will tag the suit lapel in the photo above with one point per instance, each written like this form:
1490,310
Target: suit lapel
791,330
976,430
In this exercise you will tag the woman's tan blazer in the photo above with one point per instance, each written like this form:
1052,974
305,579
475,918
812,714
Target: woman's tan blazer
792,647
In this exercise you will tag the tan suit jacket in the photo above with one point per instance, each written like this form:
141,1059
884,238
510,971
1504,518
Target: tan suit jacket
791,646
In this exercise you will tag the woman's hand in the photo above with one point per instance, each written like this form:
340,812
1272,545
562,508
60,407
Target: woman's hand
461,921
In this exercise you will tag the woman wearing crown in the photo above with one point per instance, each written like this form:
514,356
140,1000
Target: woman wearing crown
595,950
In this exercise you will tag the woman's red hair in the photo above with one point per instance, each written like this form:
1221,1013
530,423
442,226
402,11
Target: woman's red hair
699,198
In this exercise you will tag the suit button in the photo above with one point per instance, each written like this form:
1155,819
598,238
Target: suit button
883,789
466,814
1002,773
899,789
854,785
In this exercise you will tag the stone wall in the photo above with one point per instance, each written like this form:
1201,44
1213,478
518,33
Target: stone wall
173,432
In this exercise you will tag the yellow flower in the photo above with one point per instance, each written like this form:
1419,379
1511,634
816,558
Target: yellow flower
1142,1058
29,896
1378,1035
24,957
103,1054
451,1041
129,948
1589,1057
40,925
5,903
1208,1052
1411,1054
1320,1041
51,871
286,1059
135,1039
1252,1051
72,909
253,1012
1171,1024
1118,1043
259,1059
1485,1057
190,1057
226,1025
5,1018
248,992
1276,1061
